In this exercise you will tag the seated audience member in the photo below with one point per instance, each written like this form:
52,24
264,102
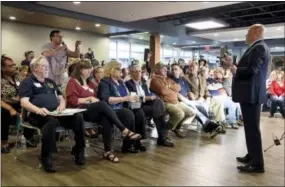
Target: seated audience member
200,92
80,93
277,92
152,106
185,94
40,95
97,76
24,72
70,72
10,101
168,91
125,74
114,91
219,93
29,55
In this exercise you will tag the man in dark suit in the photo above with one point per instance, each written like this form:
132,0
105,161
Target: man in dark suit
249,89
152,106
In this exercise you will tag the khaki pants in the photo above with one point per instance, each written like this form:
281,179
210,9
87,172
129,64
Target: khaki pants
178,112
218,110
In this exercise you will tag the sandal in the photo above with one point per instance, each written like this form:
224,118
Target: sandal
87,133
132,136
111,157
93,133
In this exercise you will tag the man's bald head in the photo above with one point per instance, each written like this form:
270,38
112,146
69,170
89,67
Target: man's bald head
255,32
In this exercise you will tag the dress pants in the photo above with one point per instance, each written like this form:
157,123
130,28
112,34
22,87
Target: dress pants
48,125
149,110
251,119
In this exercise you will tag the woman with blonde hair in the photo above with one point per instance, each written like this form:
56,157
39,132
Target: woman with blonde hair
114,91
80,93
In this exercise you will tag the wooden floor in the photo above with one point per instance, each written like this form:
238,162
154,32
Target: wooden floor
196,160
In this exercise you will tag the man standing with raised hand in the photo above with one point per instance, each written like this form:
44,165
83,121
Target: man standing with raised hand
249,89
57,53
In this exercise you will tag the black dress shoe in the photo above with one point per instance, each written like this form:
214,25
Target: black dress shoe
47,164
251,169
244,160
79,157
140,147
130,149
166,143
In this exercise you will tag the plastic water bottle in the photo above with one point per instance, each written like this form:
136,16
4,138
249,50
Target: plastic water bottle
23,143
87,148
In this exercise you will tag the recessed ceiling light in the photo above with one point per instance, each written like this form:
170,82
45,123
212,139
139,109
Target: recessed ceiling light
77,28
76,2
201,25
12,17
216,34
174,43
97,25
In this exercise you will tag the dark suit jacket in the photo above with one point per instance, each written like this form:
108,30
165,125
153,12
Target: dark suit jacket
132,87
249,82
158,107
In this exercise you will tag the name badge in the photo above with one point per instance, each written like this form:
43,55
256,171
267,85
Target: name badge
17,83
38,85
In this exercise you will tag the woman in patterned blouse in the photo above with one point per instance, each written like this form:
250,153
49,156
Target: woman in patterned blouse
10,101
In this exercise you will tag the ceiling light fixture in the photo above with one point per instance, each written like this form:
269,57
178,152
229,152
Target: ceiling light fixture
76,2
202,25
12,17
97,25
140,38
77,28
279,28
174,43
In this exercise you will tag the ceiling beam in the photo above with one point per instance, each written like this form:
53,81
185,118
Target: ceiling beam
256,14
249,8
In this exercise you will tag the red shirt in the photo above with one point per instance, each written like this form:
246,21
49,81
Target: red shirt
276,89
75,91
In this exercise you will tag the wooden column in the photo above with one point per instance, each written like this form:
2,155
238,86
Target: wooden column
154,47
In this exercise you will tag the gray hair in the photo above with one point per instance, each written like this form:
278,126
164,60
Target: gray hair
132,67
35,62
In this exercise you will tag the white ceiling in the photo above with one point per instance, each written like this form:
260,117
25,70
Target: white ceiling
228,35
133,11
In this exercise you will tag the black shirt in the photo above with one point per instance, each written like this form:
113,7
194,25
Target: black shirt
42,94
25,63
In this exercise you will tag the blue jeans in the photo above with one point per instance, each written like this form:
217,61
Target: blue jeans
277,101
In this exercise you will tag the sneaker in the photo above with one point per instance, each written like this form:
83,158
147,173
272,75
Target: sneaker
240,123
215,132
234,126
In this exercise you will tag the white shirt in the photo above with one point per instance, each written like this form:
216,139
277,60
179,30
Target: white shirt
140,91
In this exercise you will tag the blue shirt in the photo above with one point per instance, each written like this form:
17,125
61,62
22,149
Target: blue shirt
185,86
